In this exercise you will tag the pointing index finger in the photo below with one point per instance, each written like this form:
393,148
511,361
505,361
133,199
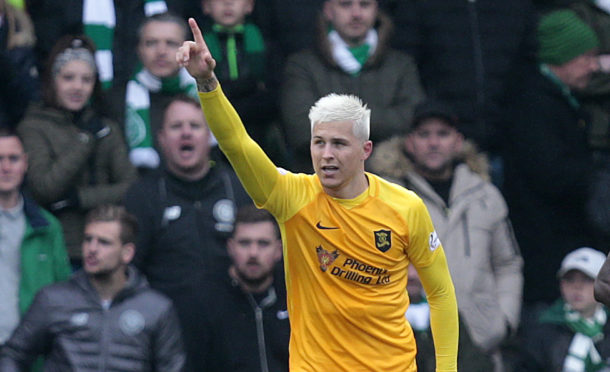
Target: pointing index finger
196,33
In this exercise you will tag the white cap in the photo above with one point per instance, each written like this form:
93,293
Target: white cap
585,259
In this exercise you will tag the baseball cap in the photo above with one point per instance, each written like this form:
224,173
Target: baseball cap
433,109
585,259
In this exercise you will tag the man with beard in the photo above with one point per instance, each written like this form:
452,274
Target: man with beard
246,324
106,317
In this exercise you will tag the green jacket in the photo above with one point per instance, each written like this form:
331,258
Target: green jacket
43,254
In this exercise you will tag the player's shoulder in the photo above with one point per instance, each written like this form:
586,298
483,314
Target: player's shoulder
389,189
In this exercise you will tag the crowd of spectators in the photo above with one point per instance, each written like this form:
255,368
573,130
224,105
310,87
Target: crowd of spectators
497,114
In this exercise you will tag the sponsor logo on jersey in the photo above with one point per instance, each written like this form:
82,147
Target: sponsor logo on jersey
383,240
434,241
326,258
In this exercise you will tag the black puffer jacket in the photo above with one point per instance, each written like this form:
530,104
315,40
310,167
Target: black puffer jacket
67,323
467,52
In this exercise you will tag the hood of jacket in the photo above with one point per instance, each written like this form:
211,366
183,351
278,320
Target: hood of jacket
390,159
383,25
136,282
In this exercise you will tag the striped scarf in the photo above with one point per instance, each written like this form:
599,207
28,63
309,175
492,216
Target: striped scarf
582,355
137,110
351,59
99,20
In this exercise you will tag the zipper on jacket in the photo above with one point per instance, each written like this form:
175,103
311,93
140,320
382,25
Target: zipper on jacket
466,235
260,330
104,342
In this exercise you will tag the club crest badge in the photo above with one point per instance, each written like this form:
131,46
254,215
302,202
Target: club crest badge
326,258
383,240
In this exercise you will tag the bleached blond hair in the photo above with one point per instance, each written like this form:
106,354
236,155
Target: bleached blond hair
342,107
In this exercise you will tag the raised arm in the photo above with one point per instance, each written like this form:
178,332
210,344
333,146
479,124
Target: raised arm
256,172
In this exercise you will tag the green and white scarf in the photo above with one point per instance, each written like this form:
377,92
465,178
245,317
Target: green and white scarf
137,110
99,20
351,59
582,355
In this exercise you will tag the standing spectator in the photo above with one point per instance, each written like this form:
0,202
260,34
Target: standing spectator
111,24
549,164
574,333
19,78
186,213
31,241
105,318
595,97
349,236
244,64
246,327
77,158
468,53
156,80
471,218
352,55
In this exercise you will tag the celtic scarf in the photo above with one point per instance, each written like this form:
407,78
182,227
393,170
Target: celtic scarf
253,45
582,355
99,20
137,110
351,59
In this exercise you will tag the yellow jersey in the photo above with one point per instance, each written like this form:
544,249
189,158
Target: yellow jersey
345,261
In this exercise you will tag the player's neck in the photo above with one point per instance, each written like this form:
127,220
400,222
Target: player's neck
350,190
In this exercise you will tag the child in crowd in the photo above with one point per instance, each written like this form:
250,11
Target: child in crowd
243,60
572,334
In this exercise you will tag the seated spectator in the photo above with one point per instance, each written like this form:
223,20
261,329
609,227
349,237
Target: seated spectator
246,324
186,212
156,80
243,64
19,78
352,55
574,333
77,158
31,240
105,318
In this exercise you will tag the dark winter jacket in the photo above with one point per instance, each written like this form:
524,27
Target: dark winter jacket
68,324
467,51
69,165
245,332
181,242
388,83
19,78
547,176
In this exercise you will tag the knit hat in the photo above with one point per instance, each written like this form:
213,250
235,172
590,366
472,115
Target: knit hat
433,109
563,36
584,259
